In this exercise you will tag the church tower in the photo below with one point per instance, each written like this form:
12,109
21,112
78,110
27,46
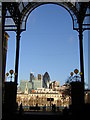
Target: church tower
26,89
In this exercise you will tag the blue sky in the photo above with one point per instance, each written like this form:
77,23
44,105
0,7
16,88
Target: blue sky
48,44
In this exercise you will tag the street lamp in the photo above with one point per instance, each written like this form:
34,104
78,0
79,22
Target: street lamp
71,73
12,74
76,74
76,71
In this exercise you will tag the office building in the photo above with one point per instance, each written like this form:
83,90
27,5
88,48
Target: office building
46,80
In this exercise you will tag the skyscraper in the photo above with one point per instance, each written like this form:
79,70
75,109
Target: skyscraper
31,76
46,80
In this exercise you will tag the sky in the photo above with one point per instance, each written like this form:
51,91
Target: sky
49,44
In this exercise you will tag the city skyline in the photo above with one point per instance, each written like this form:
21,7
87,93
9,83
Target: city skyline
52,45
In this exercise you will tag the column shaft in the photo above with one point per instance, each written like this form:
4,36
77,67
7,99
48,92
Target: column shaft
17,58
81,56
17,54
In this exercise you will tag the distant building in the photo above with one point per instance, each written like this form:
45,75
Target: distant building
36,84
39,89
40,97
46,80
41,81
27,86
23,85
31,76
46,90
54,85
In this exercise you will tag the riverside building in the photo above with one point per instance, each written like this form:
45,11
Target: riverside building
41,91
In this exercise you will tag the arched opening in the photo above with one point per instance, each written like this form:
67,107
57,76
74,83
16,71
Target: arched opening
49,44
48,34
